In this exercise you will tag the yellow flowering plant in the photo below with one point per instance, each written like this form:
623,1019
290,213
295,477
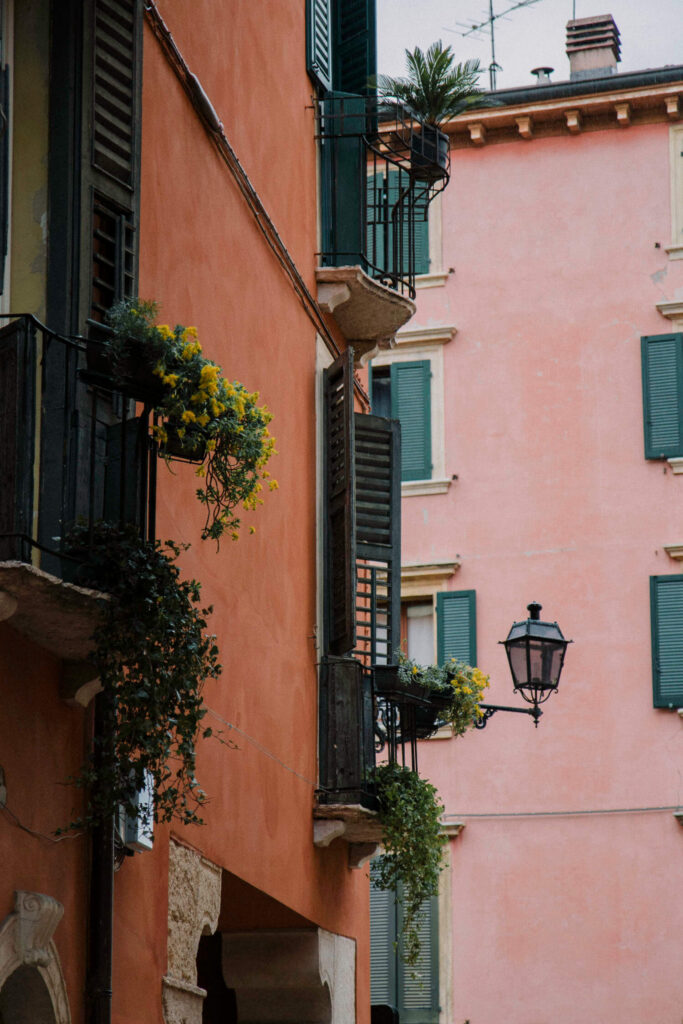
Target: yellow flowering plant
202,417
461,687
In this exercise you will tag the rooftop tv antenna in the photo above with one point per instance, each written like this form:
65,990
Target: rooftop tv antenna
490,22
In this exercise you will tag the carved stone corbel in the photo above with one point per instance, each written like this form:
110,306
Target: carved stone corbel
37,917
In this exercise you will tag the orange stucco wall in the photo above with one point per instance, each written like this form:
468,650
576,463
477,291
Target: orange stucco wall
205,261
558,251
41,741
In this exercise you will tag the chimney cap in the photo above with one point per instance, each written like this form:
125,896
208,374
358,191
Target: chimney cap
542,74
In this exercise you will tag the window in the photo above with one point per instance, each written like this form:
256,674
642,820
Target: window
456,626
413,992
403,392
675,250
341,46
407,383
666,604
662,361
410,235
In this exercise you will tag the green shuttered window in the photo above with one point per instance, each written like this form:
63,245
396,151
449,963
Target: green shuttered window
411,405
666,601
403,391
413,992
456,626
662,358
383,193
341,44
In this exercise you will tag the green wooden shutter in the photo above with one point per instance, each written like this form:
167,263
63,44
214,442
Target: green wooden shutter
355,44
421,241
411,405
418,987
413,991
319,42
456,626
666,602
662,359
383,960
344,174
340,543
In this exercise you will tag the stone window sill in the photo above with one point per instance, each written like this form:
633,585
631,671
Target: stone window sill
413,488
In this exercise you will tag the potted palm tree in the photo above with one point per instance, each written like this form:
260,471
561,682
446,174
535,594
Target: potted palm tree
435,89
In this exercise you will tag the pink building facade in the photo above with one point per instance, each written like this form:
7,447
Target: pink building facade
557,247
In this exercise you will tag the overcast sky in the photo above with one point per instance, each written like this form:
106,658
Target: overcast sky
532,36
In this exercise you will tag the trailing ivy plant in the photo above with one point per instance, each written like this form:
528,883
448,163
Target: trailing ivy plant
205,416
152,654
409,810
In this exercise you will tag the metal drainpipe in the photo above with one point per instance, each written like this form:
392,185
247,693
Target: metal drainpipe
100,936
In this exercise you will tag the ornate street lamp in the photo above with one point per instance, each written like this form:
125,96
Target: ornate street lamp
535,652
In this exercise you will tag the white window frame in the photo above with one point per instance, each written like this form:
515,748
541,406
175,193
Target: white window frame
675,250
437,276
426,343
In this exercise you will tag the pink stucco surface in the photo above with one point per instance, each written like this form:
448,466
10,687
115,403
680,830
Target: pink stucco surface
557,246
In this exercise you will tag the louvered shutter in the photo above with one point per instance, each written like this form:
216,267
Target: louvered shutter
662,360
421,241
418,986
340,506
383,965
456,626
666,599
411,404
378,538
355,44
4,170
319,42
17,439
344,177
111,147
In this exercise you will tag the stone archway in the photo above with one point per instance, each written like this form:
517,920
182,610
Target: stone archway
32,987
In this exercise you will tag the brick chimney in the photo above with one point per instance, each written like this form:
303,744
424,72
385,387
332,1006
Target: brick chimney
593,47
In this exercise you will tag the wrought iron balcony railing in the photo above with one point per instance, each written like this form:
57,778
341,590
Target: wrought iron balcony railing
380,170
73,447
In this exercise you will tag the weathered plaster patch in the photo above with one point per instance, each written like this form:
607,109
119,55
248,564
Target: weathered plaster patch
659,276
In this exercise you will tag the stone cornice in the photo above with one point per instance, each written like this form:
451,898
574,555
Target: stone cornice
621,107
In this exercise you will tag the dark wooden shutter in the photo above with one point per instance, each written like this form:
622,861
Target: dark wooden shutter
355,44
344,175
411,404
4,169
17,438
378,538
111,151
666,600
340,542
662,359
456,626
319,42
418,987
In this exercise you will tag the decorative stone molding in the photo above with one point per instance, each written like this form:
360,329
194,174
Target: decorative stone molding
676,465
525,126
426,579
37,917
574,121
361,853
26,941
674,551
478,133
416,488
420,336
194,902
291,975
673,108
431,280
452,828
623,112
673,311
678,815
